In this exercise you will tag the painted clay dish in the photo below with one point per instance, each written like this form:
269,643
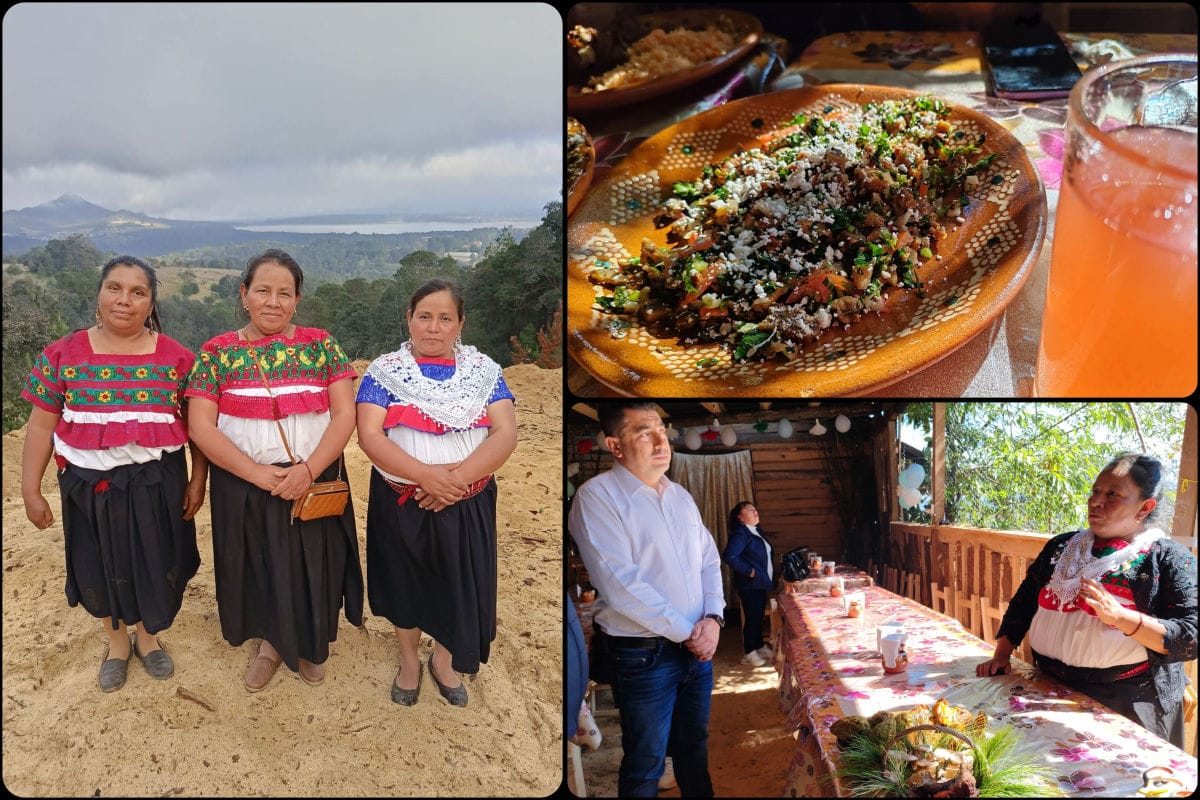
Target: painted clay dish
746,30
581,163
985,261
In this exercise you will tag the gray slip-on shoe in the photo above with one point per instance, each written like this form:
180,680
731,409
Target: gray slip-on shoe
157,662
113,671
456,696
408,697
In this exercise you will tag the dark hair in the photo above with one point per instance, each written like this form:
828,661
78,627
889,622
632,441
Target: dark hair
735,513
434,285
1146,473
279,257
612,414
152,321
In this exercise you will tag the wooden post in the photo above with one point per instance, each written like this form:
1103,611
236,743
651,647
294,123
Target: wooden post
937,479
1183,530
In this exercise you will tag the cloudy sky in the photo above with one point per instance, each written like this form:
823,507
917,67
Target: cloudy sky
245,111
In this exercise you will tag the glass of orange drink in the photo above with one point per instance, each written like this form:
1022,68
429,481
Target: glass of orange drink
1120,314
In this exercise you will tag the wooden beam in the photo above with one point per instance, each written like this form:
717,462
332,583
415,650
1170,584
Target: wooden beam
713,408
587,411
937,480
1183,527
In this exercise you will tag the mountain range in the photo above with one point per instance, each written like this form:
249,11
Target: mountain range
134,232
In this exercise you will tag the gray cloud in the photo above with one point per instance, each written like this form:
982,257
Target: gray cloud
224,111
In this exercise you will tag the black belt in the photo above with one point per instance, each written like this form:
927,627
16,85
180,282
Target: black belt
1067,672
636,642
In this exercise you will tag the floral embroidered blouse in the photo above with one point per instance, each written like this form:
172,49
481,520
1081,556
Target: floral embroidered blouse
299,370
113,408
1161,582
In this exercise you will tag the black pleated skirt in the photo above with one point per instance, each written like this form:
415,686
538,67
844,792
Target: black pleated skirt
279,580
435,570
130,552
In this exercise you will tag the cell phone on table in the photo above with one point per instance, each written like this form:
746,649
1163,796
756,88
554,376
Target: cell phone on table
1028,61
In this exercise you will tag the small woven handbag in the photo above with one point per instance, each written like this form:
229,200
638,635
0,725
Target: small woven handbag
323,498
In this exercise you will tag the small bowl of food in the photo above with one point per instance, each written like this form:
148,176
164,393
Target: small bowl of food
581,162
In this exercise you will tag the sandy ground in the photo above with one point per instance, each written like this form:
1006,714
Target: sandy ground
63,737
749,749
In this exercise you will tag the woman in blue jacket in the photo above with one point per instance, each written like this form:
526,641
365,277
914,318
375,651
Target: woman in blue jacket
749,558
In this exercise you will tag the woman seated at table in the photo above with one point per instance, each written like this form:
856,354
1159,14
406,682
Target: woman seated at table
749,558
1136,589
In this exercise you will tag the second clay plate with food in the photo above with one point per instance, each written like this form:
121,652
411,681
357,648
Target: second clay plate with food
739,31
980,264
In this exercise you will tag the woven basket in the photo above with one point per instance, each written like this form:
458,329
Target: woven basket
959,787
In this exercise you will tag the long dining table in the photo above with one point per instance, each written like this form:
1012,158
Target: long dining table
830,667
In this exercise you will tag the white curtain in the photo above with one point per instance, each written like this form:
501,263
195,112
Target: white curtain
717,483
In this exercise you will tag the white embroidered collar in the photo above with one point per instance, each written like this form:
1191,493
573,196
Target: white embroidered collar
1076,561
457,402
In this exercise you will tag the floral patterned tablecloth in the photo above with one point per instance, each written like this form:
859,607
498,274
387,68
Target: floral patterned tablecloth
831,668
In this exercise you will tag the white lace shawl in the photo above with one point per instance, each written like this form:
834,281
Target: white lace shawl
1076,561
457,402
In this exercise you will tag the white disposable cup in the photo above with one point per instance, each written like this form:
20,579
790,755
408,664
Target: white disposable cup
890,648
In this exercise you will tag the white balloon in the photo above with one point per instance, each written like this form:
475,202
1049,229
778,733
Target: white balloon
692,439
728,436
600,441
842,423
908,497
570,490
918,474
785,429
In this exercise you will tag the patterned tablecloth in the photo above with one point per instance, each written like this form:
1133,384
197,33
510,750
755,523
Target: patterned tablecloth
831,668
947,64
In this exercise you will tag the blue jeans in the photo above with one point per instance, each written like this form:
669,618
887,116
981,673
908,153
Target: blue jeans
664,695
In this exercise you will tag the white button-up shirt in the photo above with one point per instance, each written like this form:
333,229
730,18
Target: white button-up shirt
654,565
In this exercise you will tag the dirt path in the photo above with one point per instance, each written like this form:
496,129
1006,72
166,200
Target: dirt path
200,733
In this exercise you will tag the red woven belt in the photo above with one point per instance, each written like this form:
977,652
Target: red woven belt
406,490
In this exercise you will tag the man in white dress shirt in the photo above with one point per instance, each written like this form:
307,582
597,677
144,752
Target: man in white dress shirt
657,614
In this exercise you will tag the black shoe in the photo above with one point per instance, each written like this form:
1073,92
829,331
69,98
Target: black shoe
113,671
156,662
456,696
408,697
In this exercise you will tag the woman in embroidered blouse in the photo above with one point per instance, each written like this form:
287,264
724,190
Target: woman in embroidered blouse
1136,589
278,580
107,403
436,419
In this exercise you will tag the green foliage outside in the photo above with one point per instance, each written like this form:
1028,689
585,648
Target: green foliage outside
1030,466
513,290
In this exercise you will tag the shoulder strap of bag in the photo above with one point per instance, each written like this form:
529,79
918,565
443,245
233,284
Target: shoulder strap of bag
275,410
274,406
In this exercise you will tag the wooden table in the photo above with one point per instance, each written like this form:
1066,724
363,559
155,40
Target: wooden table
831,669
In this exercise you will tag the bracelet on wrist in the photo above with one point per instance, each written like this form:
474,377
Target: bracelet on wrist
311,479
1141,619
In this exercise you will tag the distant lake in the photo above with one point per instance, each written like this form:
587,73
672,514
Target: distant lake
394,227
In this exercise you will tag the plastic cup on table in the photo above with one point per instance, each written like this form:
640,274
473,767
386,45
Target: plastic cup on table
1120,314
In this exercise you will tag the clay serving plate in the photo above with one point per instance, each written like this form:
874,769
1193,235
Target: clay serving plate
746,29
581,163
985,261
